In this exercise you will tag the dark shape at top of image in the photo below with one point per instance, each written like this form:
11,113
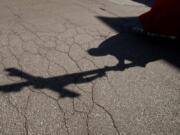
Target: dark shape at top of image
145,2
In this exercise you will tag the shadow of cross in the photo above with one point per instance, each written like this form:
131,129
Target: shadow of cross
56,83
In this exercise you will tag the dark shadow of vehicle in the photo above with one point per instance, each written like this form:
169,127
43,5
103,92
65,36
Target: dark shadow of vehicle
145,2
138,50
56,83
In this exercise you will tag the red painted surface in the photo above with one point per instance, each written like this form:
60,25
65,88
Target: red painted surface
163,18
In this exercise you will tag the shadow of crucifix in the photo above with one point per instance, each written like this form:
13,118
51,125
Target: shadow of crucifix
56,83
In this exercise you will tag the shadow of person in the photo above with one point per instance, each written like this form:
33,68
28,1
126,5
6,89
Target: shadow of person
131,50
125,48
56,83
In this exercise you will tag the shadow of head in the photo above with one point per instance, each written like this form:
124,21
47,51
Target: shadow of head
97,52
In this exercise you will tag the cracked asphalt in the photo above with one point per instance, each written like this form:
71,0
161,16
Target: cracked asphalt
69,67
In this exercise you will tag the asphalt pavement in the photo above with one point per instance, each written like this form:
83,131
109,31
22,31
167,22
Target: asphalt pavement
72,67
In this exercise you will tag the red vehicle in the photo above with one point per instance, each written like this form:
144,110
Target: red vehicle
163,18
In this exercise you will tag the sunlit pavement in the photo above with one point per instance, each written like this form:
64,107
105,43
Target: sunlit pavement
69,67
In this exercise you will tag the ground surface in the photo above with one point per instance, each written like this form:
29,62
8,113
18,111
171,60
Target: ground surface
68,67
